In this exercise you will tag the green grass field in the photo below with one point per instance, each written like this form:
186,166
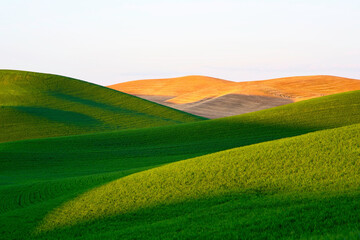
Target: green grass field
316,171
290,172
136,148
34,105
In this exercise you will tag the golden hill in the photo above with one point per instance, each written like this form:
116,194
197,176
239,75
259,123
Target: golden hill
214,98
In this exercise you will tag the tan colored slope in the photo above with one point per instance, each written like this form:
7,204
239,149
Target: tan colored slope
300,88
213,98
169,86
294,88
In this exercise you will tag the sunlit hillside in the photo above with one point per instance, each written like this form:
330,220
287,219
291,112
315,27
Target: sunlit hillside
314,168
38,178
34,105
214,98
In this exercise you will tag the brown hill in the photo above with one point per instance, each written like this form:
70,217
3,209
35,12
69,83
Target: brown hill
214,98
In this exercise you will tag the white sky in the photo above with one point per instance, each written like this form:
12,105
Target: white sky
110,41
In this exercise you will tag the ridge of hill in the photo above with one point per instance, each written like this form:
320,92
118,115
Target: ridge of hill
36,105
214,98
170,86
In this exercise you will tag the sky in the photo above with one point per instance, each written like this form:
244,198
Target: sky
108,41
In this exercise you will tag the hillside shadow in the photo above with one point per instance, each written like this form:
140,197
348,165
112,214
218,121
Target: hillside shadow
57,115
233,104
122,109
228,216
90,103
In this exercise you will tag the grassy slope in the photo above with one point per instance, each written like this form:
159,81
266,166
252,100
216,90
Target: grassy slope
34,105
140,148
36,177
314,170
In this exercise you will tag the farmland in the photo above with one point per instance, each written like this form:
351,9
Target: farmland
215,98
283,170
281,173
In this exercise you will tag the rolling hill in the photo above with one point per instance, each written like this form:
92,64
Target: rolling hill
214,98
35,105
37,178
107,151
313,167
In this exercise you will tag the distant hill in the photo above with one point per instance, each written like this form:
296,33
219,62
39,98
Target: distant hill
214,98
36,105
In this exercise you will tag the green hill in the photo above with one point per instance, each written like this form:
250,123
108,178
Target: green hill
36,177
320,166
152,146
37,105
